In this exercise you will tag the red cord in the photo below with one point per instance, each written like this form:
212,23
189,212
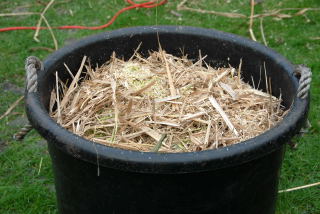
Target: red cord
149,4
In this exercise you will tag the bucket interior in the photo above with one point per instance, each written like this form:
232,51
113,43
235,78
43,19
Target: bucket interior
220,51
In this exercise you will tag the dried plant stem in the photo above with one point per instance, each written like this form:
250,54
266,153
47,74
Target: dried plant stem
229,90
262,32
300,187
40,165
68,69
143,89
251,21
206,140
278,12
51,32
216,105
192,116
225,73
58,99
315,38
116,110
270,96
11,107
273,13
35,36
73,84
152,133
170,80
239,71
18,14
182,6
165,99
42,48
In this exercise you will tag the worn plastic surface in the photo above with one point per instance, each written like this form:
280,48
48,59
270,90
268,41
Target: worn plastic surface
238,179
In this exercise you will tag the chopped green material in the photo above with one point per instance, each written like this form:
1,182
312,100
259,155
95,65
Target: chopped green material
159,143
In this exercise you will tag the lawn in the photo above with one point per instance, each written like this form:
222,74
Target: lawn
26,180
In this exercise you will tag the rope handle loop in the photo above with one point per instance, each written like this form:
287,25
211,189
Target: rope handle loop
305,76
32,66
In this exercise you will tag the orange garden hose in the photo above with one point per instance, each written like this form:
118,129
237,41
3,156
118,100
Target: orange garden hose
133,5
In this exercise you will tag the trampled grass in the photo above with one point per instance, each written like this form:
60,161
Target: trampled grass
25,187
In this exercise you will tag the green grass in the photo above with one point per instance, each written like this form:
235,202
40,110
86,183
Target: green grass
25,189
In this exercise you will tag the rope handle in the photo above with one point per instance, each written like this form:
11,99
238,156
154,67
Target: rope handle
305,76
33,65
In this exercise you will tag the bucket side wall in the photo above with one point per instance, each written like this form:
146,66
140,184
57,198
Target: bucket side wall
249,188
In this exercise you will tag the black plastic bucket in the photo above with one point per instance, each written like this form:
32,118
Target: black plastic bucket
93,178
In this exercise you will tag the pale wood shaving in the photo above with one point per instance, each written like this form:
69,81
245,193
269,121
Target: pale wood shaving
216,105
229,90
165,99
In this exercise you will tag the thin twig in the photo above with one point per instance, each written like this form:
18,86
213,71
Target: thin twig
229,90
277,13
315,38
51,32
18,14
164,123
152,133
251,21
273,13
216,105
170,80
165,99
68,69
73,83
239,71
225,14
42,48
35,36
206,140
182,3
150,84
11,107
299,187
192,116
58,98
225,73
116,110
262,33
40,165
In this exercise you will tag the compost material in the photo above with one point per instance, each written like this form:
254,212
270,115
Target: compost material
163,103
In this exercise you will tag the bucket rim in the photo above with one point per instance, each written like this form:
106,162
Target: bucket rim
167,163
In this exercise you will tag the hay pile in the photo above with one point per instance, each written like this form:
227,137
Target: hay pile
163,103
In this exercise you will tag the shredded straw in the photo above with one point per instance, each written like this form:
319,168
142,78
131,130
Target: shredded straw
163,103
